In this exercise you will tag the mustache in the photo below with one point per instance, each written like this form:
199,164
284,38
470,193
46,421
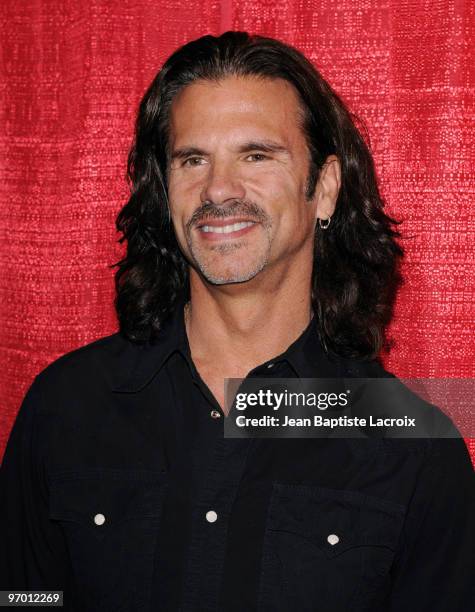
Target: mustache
209,210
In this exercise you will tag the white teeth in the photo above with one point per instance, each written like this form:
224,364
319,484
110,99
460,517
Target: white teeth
226,229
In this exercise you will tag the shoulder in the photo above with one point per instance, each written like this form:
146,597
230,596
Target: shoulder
363,368
70,391
435,442
85,367
383,394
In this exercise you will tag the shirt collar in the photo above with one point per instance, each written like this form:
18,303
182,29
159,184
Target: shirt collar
137,364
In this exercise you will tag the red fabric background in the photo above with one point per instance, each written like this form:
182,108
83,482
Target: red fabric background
73,73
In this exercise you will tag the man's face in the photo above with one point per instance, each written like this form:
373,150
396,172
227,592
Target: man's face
237,178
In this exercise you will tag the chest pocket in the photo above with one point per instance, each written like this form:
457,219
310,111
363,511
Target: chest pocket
110,519
327,549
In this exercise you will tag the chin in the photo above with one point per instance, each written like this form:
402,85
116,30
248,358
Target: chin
229,277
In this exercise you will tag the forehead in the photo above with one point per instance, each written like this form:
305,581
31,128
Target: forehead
236,108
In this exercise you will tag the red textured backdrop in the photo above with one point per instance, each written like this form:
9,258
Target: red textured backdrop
73,73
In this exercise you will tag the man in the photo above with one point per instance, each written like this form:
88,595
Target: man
257,247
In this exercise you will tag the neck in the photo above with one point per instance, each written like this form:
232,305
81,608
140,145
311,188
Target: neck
235,331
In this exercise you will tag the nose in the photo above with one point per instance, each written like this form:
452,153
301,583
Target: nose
222,183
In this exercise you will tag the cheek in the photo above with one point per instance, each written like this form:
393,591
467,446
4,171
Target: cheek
175,193
283,197
178,222
181,206
186,184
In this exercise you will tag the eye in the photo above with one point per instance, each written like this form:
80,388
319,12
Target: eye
257,157
193,161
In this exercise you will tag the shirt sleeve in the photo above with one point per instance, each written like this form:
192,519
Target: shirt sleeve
435,570
33,554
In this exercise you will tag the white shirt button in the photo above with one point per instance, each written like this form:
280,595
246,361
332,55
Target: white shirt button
99,519
333,539
215,414
270,365
211,516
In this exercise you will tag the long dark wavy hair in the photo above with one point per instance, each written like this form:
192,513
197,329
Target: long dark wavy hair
356,260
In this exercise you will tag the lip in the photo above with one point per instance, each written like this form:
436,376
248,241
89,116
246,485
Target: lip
220,237
224,222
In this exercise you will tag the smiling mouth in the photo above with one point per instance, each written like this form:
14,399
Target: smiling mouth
226,229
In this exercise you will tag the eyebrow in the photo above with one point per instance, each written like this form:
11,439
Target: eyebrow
186,152
268,146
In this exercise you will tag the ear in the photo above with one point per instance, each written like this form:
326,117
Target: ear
328,188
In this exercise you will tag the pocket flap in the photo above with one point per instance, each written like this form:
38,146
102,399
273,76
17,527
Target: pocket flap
101,498
335,520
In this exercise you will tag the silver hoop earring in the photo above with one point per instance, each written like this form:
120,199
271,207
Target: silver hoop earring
327,223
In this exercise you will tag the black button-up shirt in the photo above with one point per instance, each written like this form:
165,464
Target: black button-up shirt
119,488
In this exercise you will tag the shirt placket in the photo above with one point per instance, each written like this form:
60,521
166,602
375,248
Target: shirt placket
210,518
215,496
